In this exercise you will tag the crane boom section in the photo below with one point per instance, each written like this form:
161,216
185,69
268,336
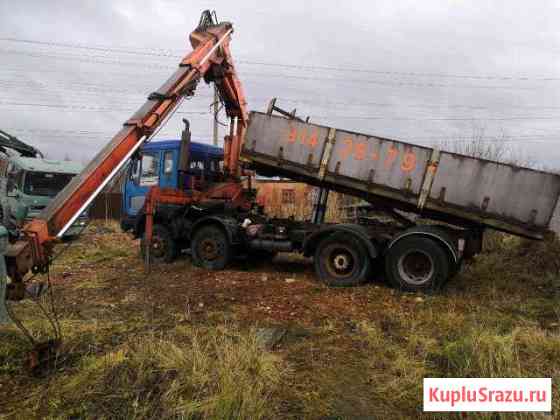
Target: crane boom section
211,59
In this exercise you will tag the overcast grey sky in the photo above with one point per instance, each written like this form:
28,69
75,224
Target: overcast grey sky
420,71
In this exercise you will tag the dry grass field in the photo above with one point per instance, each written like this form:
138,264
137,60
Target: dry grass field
267,341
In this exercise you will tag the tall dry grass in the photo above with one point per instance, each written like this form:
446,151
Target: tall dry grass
220,373
510,330
399,364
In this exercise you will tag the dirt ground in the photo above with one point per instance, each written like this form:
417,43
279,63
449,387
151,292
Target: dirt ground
356,352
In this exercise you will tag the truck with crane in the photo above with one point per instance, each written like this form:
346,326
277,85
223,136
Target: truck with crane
402,181
218,218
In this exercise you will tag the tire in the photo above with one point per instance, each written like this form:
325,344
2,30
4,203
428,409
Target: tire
163,248
341,260
417,264
210,248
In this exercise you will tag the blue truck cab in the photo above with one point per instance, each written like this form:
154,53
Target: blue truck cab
157,165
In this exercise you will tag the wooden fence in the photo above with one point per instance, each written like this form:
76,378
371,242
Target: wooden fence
107,206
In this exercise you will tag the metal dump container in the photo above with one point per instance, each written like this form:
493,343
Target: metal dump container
438,184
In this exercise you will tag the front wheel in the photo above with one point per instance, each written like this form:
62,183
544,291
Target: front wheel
163,248
341,261
211,248
417,264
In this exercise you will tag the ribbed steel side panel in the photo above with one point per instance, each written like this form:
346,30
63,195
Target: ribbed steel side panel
380,161
506,197
508,191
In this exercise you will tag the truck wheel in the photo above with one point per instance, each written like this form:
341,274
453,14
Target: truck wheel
341,261
417,264
211,248
163,247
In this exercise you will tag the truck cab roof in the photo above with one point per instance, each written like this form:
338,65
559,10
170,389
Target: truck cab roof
47,165
196,148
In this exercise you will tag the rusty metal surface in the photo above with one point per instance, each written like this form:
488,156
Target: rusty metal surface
393,164
295,141
511,192
505,197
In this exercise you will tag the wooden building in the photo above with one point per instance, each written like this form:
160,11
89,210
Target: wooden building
280,198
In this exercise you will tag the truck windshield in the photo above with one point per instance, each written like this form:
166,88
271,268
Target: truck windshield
45,183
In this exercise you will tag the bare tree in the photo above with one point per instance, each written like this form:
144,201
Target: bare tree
481,145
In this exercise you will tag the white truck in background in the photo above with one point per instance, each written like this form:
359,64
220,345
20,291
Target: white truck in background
28,182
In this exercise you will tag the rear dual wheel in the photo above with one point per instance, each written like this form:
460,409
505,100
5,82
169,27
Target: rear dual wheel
417,264
413,264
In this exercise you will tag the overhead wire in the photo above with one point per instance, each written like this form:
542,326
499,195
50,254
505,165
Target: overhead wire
83,89
96,88
84,107
55,133
103,60
168,53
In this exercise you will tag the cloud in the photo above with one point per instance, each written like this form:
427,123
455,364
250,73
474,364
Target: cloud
416,69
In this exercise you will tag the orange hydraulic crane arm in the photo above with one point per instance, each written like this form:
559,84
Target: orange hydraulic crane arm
231,94
210,59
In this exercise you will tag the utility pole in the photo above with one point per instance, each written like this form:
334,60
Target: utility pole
215,132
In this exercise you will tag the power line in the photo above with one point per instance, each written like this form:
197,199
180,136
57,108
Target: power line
400,73
365,117
81,107
123,50
43,69
54,134
321,102
86,107
82,87
284,76
89,88
57,131
85,59
167,53
441,137
387,83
